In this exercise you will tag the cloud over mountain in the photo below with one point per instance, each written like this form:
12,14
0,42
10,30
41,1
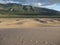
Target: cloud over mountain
33,2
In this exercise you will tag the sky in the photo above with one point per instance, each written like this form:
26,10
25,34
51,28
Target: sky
55,7
51,4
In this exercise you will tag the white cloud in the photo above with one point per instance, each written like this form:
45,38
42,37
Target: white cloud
53,5
33,2
36,4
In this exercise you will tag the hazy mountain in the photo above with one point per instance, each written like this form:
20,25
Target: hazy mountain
18,9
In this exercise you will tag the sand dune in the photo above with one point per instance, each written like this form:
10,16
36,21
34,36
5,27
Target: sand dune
38,31
30,23
32,36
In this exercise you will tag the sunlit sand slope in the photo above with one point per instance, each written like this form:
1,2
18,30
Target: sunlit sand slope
28,23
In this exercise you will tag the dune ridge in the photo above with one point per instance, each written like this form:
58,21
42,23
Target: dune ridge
28,22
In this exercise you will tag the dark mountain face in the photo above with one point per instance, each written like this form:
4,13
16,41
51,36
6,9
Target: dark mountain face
17,9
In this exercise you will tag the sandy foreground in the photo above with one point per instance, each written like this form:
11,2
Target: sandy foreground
29,23
40,31
31,36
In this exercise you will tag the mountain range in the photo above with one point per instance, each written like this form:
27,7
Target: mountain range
19,9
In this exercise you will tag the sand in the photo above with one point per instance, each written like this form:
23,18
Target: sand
31,36
24,31
29,23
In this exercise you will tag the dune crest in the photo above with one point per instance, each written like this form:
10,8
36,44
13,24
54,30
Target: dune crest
28,23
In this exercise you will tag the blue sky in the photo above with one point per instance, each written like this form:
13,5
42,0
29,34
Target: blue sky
51,4
55,7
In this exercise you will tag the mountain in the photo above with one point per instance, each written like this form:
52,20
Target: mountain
19,9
